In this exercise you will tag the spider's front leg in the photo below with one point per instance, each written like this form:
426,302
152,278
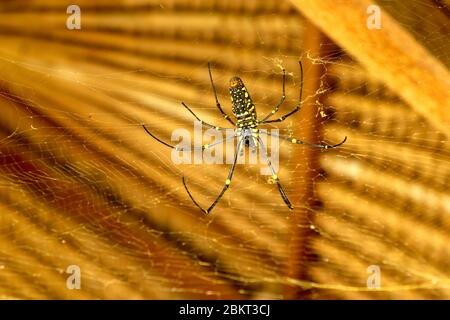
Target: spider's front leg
224,114
283,97
297,107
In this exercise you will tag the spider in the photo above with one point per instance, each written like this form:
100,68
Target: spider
246,129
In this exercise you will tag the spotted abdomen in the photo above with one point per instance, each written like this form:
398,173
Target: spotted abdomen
242,104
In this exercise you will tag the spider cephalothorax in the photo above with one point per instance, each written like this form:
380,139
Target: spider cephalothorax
246,130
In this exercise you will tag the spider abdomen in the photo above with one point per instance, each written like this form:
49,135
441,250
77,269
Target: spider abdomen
242,104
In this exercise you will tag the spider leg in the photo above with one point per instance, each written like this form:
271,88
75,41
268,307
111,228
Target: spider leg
312,145
297,107
203,122
224,114
274,175
219,141
157,139
283,97
205,146
225,187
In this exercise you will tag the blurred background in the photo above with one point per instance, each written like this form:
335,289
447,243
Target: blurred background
82,184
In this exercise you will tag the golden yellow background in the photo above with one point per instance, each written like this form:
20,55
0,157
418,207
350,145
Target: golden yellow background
81,183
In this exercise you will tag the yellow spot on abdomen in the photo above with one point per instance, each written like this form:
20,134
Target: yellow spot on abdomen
294,140
227,182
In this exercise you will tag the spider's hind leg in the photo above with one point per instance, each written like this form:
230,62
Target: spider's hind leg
225,187
274,175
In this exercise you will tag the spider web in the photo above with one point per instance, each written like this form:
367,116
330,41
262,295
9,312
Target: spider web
83,184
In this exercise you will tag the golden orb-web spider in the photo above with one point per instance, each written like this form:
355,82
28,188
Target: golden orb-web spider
247,130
